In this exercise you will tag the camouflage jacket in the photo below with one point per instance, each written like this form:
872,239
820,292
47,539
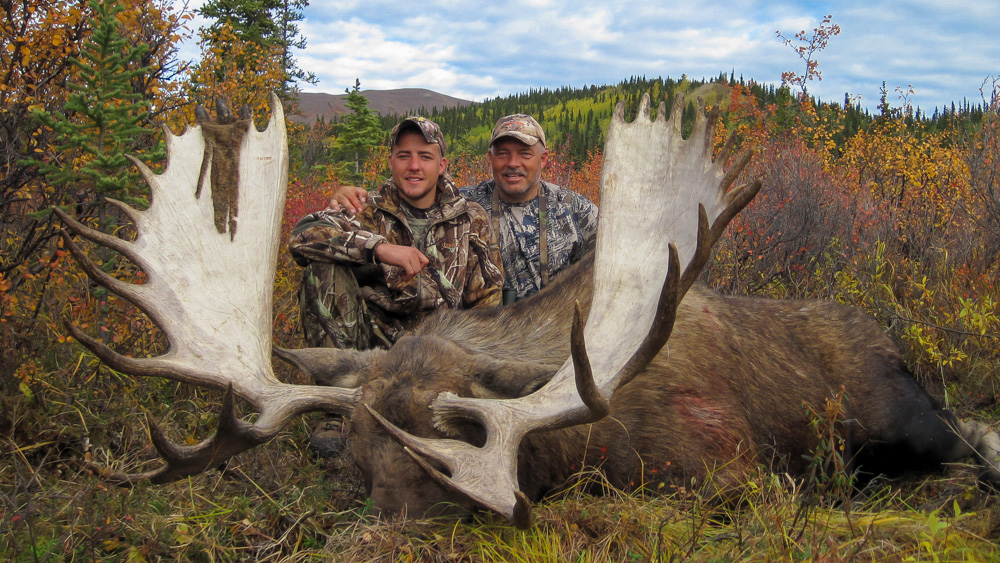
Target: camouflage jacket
571,230
464,268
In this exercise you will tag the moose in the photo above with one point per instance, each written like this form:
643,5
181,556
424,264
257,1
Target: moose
625,363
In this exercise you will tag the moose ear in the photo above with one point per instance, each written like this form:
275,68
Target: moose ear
331,366
509,378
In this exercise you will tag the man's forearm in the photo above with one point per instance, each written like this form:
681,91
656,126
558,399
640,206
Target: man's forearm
331,237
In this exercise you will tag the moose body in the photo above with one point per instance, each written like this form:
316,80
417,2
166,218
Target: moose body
727,394
624,363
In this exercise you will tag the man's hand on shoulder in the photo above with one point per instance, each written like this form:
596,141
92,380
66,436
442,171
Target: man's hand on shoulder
349,199
408,258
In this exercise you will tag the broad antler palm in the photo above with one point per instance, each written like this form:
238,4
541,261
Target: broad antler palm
208,245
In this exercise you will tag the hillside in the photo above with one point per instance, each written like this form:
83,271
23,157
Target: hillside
400,101
576,118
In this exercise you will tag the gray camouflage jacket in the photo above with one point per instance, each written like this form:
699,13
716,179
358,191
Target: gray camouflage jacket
570,232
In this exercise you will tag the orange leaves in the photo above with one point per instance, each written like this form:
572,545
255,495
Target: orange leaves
373,168
37,39
469,169
236,71
586,178
910,173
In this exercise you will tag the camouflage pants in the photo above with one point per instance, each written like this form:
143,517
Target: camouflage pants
334,313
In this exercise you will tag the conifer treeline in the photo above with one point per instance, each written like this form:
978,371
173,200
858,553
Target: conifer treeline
575,119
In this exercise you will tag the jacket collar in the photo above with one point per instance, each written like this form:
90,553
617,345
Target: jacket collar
448,203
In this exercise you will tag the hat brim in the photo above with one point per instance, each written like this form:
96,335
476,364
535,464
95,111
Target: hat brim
529,140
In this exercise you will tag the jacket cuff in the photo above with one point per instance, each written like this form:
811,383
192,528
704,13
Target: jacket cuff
370,245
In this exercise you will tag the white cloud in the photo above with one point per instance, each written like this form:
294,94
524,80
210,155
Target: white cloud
483,49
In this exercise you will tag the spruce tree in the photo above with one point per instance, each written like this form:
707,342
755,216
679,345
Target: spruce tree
360,130
103,120
267,23
289,12
253,20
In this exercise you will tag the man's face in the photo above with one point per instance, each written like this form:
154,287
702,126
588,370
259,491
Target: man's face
517,168
416,165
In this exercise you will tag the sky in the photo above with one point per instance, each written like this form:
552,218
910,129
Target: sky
929,53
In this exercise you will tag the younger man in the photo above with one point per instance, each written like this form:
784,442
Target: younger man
417,246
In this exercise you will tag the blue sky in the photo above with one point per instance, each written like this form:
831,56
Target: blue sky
942,49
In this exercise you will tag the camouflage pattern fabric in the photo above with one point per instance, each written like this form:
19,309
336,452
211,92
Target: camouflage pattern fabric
334,313
464,269
571,230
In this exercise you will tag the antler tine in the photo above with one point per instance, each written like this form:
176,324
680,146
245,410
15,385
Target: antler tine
118,245
591,396
701,126
664,201
210,288
726,152
233,436
676,109
713,118
132,292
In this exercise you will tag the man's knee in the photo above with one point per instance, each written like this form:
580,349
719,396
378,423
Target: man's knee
333,311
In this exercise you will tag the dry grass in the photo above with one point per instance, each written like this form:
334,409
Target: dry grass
276,503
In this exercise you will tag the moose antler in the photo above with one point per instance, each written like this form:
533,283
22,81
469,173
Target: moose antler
210,285
664,202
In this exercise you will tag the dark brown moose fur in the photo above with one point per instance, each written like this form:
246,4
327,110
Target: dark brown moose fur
728,392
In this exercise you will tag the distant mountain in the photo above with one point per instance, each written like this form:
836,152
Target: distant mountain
386,102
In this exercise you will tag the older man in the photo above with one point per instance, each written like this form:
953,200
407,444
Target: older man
541,228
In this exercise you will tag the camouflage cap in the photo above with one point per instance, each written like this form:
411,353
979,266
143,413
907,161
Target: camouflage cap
430,130
521,126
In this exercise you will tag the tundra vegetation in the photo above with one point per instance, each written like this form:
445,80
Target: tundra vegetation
896,213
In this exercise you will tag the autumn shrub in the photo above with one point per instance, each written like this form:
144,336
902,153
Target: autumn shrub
982,157
469,169
928,264
305,195
795,234
901,224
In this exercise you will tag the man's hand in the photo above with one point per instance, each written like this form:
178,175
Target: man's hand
406,257
350,199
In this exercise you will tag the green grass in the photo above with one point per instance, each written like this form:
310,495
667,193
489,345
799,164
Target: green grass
276,503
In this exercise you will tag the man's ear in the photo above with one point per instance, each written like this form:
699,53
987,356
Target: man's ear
331,366
508,379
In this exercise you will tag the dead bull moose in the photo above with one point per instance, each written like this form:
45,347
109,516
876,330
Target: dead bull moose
495,408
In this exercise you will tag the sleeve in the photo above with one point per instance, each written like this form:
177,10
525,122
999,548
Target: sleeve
484,271
332,236
585,217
